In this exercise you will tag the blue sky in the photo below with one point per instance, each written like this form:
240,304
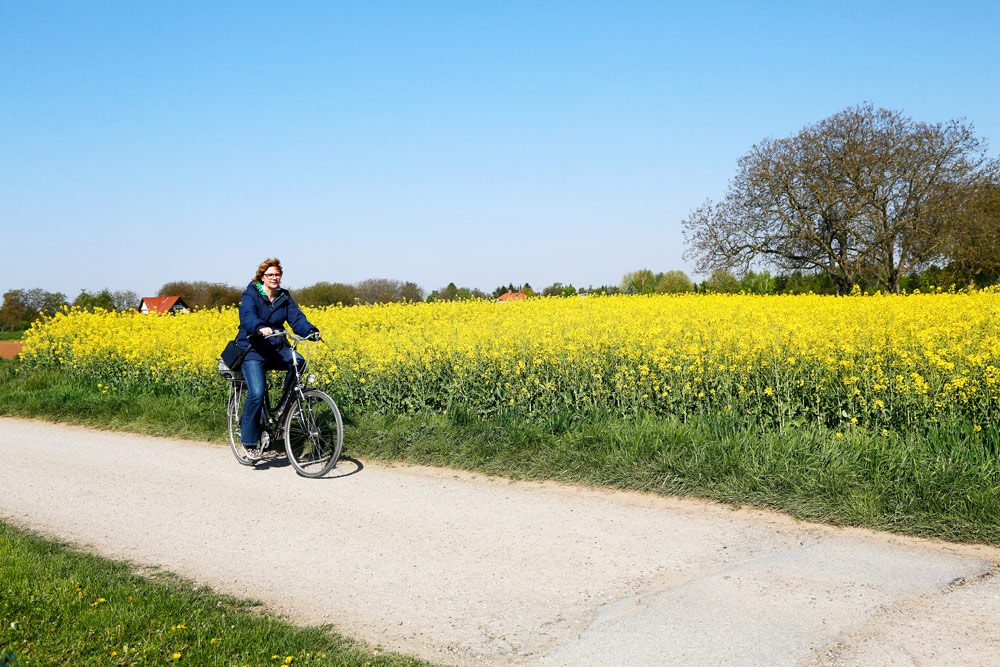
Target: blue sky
480,143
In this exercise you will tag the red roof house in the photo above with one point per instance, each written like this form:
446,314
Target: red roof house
512,296
162,304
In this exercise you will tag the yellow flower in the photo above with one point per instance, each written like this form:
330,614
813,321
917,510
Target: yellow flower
907,357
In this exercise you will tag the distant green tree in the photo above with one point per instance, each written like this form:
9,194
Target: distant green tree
325,294
555,289
642,281
15,313
44,302
798,282
558,289
87,301
674,282
757,283
452,292
448,292
220,295
125,299
379,290
411,292
721,282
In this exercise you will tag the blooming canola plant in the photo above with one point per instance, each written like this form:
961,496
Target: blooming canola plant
883,362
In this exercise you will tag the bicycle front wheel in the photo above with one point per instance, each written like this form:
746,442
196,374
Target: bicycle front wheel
234,413
314,434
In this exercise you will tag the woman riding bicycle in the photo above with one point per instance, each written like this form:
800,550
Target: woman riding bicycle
264,309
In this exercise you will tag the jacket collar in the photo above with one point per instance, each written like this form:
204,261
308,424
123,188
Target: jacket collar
278,296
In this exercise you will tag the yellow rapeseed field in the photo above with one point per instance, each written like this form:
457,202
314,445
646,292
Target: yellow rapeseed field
874,361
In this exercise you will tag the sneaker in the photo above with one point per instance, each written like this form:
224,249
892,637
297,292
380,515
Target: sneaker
252,452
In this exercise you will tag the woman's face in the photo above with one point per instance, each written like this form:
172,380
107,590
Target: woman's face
272,277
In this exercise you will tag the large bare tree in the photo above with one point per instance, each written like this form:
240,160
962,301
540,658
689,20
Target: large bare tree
866,192
974,239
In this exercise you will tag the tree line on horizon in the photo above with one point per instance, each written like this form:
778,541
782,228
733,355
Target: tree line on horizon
21,307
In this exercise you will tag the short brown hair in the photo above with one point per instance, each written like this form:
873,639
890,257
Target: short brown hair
265,265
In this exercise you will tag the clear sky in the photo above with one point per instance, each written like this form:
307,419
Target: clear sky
476,142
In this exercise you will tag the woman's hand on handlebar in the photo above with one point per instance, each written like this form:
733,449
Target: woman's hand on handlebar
265,331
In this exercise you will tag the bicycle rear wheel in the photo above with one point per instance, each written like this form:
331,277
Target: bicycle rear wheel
234,413
314,434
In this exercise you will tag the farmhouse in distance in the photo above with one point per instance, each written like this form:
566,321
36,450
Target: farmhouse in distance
162,305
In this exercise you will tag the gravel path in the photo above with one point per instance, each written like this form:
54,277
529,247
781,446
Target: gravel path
467,569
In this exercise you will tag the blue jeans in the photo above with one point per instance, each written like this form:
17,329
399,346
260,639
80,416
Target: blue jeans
253,373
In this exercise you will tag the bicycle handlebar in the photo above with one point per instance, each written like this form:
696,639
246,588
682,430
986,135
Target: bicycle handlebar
288,334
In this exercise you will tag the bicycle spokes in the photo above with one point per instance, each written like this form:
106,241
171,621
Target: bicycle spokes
313,434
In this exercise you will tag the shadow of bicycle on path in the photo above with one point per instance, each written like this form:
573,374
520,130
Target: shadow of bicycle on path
346,466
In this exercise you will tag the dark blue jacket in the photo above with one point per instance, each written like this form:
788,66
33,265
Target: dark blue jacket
257,312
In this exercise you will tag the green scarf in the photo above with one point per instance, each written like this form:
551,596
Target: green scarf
260,288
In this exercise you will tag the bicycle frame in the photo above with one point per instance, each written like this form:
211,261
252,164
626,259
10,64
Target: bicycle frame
271,419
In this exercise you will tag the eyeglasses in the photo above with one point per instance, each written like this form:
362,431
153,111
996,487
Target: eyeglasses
276,276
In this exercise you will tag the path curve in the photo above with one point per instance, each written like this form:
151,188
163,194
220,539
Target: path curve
466,569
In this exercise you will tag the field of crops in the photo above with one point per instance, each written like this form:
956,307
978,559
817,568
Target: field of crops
884,363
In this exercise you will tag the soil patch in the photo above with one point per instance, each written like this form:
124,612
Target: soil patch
10,348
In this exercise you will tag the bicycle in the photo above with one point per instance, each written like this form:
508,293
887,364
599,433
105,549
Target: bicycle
307,418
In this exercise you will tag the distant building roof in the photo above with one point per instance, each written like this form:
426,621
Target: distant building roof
512,296
162,304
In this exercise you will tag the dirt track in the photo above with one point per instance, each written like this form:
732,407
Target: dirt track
9,349
460,568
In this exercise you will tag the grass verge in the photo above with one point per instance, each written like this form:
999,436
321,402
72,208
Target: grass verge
56,396
12,335
63,607
937,483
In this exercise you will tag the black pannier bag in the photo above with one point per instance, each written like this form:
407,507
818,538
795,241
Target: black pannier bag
232,356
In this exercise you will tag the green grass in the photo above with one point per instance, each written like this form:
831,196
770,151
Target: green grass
56,396
940,482
63,607
12,335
